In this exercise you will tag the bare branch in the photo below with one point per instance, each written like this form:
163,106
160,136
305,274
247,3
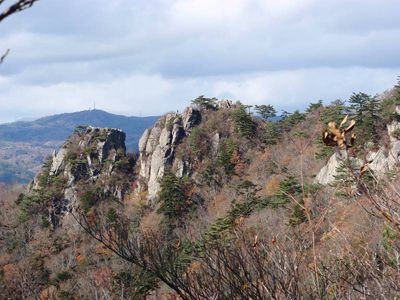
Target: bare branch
16,7
4,56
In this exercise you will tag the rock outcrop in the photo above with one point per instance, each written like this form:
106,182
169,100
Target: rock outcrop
328,172
90,158
380,161
158,148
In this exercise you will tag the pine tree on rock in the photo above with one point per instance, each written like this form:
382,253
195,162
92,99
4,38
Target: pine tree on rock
172,197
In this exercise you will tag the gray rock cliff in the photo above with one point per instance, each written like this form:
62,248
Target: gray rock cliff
91,157
158,145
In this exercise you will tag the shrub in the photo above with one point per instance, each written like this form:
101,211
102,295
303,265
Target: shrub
388,106
111,216
31,205
298,215
289,186
80,129
323,151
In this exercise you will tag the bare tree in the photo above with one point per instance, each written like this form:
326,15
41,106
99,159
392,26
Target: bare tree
246,266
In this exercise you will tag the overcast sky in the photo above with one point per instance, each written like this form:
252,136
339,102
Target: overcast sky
147,57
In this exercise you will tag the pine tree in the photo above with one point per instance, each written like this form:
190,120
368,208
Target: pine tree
366,111
314,106
207,103
336,111
271,133
265,111
245,125
172,197
358,104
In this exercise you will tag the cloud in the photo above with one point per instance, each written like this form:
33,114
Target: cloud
152,56
154,94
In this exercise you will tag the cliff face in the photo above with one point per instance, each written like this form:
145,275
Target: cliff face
158,148
91,159
158,145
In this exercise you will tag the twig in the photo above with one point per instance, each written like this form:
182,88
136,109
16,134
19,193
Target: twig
4,56
16,7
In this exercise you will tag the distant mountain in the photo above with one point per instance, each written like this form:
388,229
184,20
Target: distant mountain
59,127
24,145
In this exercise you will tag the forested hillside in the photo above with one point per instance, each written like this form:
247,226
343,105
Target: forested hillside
222,202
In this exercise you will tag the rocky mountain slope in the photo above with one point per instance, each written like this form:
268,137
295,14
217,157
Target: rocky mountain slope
91,165
25,145
212,190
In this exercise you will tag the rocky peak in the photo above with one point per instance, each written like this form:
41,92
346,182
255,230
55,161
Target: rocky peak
158,146
88,159
92,146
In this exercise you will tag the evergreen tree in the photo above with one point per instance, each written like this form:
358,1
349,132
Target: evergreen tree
336,111
207,103
271,133
289,120
265,111
172,197
228,147
314,106
245,125
366,111
358,104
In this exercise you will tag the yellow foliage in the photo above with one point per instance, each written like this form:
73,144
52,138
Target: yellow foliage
272,187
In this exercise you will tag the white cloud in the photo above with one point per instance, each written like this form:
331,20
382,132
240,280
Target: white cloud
154,94
152,56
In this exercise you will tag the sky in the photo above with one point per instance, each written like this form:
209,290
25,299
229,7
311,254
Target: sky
141,57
